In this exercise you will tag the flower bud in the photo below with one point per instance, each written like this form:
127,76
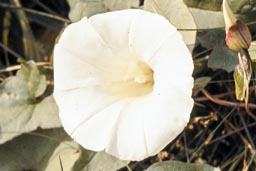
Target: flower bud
238,35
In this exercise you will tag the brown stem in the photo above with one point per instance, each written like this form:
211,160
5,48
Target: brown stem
224,102
17,67
221,95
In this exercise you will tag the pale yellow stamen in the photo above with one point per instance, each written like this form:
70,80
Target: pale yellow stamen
137,81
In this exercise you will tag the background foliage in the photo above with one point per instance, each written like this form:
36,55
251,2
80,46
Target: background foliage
220,132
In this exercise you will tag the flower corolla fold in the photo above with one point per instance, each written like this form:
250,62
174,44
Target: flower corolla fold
123,83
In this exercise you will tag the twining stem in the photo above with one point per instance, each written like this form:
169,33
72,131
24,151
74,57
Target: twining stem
17,67
215,99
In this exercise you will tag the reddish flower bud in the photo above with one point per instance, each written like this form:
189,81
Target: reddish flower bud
238,36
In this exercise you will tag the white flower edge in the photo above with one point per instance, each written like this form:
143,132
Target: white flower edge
91,59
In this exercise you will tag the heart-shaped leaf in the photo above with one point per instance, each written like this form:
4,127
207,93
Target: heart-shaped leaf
178,14
103,161
223,58
81,8
38,150
180,166
22,109
215,19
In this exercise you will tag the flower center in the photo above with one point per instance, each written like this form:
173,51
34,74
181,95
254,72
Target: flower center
138,78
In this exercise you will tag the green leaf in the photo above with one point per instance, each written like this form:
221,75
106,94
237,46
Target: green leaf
239,83
170,9
238,6
22,109
104,162
244,10
201,82
180,166
252,51
207,19
85,158
81,8
66,155
204,4
223,58
210,38
39,150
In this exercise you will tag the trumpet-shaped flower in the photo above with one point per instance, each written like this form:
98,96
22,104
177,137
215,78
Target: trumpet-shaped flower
123,83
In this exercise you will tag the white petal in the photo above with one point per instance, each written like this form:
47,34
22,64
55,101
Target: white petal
148,32
78,105
148,124
67,70
96,133
88,48
114,29
173,58
173,65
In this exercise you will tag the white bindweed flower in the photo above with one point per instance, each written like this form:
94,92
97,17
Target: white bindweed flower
123,83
